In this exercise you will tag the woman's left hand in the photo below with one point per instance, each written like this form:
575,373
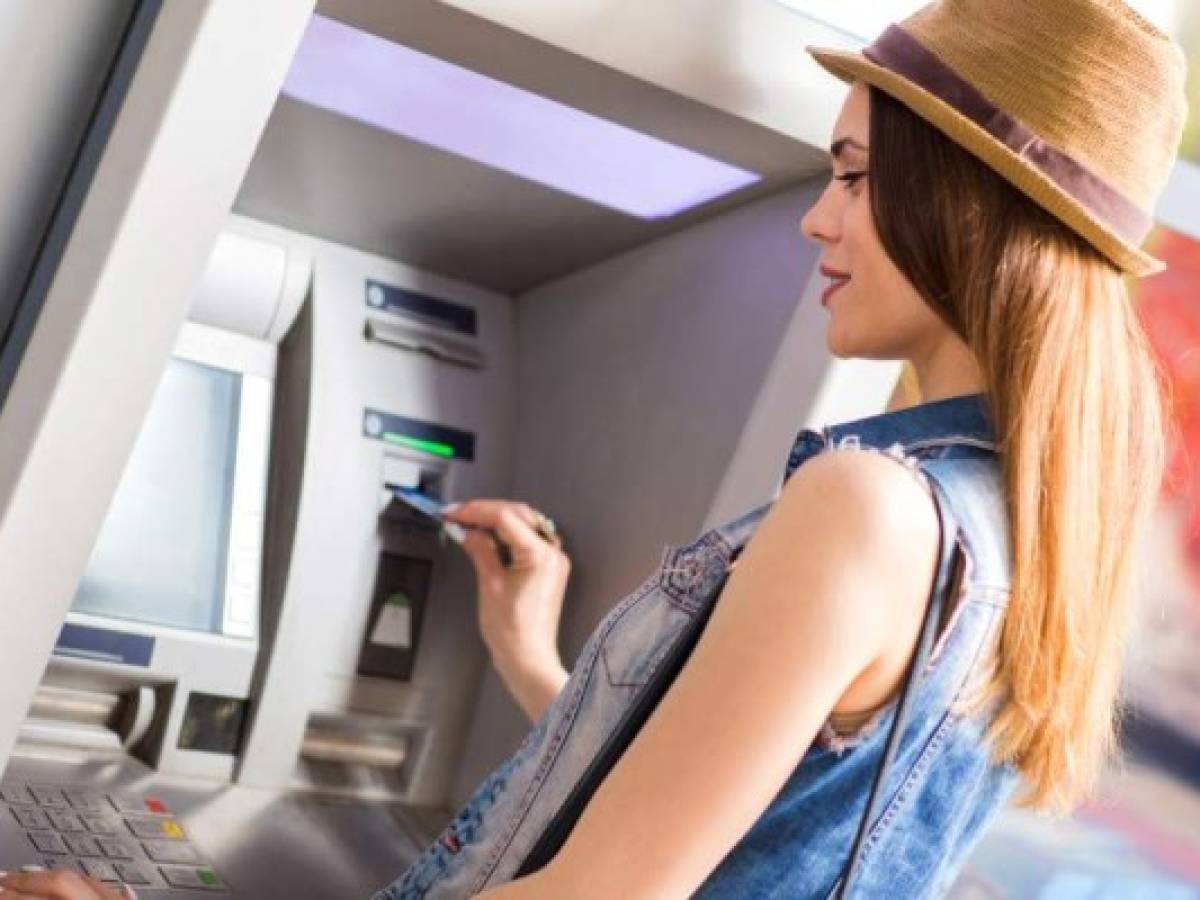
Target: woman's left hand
58,884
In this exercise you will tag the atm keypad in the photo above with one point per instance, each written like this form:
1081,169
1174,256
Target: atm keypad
14,794
47,796
86,801
131,873
111,837
30,817
48,842
114,849
98,824
64,821
82,845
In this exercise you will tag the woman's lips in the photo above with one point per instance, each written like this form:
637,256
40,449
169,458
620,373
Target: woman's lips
834,286
839,279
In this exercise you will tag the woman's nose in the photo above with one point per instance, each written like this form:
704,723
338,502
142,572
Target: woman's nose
817,224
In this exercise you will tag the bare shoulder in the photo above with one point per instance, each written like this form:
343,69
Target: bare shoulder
865,491
862,525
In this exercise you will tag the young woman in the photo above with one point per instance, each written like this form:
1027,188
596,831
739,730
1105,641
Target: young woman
995,166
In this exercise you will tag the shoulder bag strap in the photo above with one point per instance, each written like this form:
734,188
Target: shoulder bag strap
943,580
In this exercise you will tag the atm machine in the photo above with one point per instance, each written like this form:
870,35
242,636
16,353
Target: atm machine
578,281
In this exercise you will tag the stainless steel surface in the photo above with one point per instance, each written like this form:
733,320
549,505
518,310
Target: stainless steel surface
70,705
331,746
263,844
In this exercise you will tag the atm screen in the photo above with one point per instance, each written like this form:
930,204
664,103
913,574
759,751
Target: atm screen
162,553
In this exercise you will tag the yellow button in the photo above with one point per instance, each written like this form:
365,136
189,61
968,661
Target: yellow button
171,829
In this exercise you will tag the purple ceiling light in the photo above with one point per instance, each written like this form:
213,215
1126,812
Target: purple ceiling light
426,99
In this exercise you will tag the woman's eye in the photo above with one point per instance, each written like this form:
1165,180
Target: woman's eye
850,177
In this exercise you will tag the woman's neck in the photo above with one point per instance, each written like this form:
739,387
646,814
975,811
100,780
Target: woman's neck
949,371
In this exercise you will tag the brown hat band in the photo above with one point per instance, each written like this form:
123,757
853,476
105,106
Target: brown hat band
901,53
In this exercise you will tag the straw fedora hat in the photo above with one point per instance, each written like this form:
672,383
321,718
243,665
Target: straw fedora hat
1080,104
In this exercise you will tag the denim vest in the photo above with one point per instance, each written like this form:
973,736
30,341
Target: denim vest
942,788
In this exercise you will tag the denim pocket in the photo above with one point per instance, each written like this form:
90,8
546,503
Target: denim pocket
638,637
641,630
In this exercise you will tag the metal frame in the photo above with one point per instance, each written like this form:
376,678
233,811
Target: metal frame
75,190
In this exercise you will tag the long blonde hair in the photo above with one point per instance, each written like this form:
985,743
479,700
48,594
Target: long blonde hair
1077,399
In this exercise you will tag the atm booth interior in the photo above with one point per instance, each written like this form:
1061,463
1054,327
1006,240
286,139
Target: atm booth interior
503,267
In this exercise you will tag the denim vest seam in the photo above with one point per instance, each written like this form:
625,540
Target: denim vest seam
985,636
556,741
558,738
659,652
949,718
990,595
961,592
951,441
919,767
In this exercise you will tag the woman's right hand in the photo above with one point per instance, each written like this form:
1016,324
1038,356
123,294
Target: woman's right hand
519,607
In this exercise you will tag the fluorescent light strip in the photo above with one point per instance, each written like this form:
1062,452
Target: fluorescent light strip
862,20
865,20
373,80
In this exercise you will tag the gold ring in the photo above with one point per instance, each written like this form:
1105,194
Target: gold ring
546,528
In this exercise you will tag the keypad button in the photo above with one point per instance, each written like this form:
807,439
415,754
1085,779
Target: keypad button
48,796
171,852
100,870
47,842
133,803
64,821
31,817
82,845
131,873
155,828
65,862
85,801
115,849
98,824
15,793
189,877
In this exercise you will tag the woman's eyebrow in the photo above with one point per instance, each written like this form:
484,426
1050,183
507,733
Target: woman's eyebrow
839,146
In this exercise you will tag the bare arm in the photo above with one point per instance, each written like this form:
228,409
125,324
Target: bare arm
519,606
534,686
834,581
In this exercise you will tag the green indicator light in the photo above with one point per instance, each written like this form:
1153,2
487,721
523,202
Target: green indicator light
437,448
208,877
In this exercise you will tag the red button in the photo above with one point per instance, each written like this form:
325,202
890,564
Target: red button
156,806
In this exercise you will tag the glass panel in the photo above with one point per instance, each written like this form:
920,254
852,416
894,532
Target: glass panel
161,554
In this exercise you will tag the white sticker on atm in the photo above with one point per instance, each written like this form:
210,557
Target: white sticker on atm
394,625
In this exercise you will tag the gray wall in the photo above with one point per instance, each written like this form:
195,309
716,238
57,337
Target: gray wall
636,380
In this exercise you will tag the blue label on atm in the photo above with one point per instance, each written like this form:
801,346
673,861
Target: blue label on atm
421,307
104,645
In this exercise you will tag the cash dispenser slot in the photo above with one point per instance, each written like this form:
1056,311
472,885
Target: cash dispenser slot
90,719
358,754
